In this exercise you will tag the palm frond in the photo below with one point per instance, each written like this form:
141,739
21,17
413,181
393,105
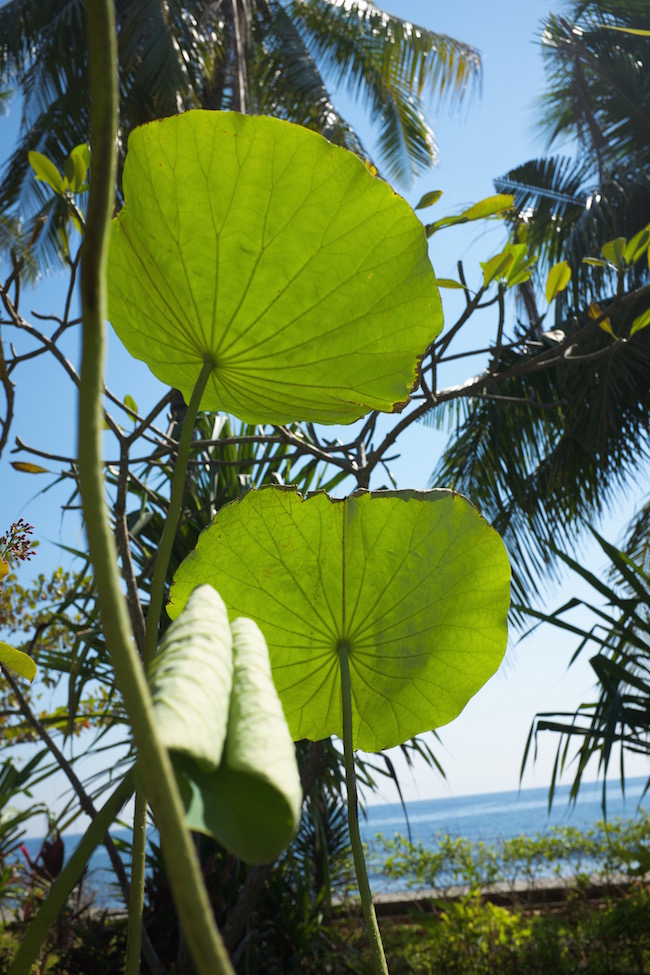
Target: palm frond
285,80
388,62
620,714
541,467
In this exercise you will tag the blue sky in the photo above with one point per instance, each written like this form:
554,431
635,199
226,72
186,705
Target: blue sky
490,133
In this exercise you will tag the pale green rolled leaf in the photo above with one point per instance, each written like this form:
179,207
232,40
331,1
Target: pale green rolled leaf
557,280
276,255
21,663
252,804
191,680
416,583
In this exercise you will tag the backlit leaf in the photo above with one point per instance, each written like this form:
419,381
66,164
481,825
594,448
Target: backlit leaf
642,321
496,267
557,280
637,246
17,661
416,583
46,171
27,468
492,206
614,251
428,199
259,245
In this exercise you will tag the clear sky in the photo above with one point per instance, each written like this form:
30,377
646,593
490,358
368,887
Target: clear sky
489,134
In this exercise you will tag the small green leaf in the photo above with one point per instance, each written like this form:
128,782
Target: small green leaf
130,403
75,171
637,246
450,284
17,661
191,680
4,569
595,262
27,468
496,267
557,280
614,251
491,206
46,171
642,321
428,199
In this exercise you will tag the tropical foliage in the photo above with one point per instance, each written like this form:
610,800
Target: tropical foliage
258,56
620,636
598,99
547,453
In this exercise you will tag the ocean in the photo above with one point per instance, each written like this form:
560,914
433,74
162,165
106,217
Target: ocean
489,817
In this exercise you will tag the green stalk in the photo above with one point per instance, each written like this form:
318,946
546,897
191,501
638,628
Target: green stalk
136,900
64,884
154,765
372,928
157,596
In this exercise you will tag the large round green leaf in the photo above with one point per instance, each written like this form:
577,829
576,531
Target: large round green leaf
415,583
260,245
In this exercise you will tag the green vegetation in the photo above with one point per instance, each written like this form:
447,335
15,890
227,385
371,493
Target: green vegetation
607,851
277,285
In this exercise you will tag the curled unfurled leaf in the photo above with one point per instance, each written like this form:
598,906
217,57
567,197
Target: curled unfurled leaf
191,680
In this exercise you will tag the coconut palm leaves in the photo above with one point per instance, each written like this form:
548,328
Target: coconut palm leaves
548,450
599,94
261,57
619,714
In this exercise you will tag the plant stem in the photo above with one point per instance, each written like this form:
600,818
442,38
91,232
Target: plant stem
157,596
65,882
136,900
372,928
154,765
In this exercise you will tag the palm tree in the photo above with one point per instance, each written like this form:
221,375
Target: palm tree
598,97
619,635
550,450
259,56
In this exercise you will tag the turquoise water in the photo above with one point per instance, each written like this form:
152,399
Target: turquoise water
489,817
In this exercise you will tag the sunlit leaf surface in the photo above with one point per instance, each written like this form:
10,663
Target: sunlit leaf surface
260,245
416,583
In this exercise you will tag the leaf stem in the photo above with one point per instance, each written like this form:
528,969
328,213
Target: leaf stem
163,555
372,928
154,765
136,900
